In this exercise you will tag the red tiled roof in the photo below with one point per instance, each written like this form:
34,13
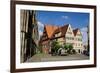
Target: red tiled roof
62,29
75,31
50,30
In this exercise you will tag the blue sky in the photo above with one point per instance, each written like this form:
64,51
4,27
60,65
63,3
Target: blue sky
76,19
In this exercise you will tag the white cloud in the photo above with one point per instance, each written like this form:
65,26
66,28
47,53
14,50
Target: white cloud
40,28
40,32
84,34
84,29
40,25
65,17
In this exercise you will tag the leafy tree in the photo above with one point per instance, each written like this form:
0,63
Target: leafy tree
70,48
66,46
55,46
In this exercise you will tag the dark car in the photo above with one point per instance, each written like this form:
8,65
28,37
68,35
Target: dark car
85,52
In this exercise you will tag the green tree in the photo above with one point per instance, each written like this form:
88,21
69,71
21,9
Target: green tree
66,46
55,46
70,48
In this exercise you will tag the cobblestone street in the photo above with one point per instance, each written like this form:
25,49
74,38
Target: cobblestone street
48,57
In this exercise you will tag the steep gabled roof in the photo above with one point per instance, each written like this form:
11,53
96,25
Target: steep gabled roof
75,31
62,29
50,30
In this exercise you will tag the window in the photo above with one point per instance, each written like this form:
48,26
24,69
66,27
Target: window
56,35
76,39
72,38
76,44
59,33
79,39
69,32
67,38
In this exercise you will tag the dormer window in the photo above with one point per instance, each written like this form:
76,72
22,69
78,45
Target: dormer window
69,32
57,34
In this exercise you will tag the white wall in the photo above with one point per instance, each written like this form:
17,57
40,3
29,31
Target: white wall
5,37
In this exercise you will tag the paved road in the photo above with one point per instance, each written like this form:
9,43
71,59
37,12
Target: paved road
47,57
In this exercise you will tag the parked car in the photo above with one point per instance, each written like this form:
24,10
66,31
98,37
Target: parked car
62,52
85,52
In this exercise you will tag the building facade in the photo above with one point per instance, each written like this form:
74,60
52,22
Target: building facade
65,35
29,34
45,40
78,44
